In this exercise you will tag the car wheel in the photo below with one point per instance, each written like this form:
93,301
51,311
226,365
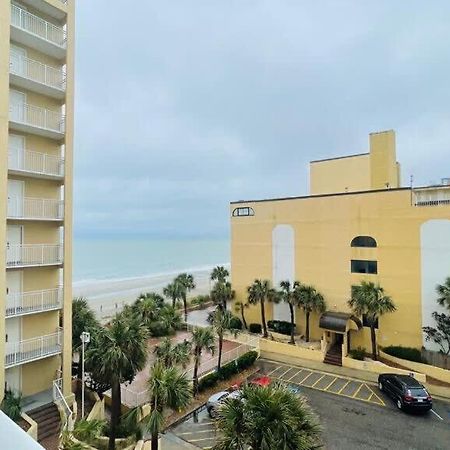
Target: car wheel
380,385
399,404
212,413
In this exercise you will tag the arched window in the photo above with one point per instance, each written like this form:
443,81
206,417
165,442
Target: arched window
241,212
364,241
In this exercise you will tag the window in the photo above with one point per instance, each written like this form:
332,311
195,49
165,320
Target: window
364,241
366,323
363,266
241,212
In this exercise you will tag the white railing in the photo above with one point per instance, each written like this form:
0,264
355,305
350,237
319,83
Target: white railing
37,117
35,162
32,349
58,397
35,208
18,255
36,71
37,26
18,303
432,197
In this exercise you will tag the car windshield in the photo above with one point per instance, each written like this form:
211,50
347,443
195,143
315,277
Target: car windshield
418,392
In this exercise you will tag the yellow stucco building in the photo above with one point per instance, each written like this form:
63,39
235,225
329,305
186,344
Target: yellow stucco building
36,139
358,223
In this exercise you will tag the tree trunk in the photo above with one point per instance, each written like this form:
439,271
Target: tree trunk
291,309
195,377
263,319
185,308
219,359
115,412
307,327
224,304
154,433
173,302
243,317
155,438
373,338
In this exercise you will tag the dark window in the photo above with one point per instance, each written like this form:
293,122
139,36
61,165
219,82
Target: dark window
364,241
363,266
241,212
366,323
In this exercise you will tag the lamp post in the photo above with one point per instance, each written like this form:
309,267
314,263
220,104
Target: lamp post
85,339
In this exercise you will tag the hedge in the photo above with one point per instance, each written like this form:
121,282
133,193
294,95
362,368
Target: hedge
235,323
358,353
255,328
228,370
408,353
280,326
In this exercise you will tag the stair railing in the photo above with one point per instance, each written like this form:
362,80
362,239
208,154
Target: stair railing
59,397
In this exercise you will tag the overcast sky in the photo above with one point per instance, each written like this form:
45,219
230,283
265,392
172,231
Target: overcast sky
185,105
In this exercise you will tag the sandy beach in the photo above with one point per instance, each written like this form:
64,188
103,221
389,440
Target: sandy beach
106,297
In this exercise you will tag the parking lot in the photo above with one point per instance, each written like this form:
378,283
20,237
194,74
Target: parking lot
354,414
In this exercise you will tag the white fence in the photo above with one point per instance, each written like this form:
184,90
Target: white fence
432,197
32,349
35,162
37,26
37,117
36,71
18,255
35,208
18,303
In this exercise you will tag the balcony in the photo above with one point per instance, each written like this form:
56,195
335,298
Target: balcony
34,164
33,349
35,32
33,255
52,8
22,303
29,74
433,196
33,119
25,208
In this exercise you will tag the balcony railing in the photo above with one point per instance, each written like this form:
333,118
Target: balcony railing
34,70
35,116
20,303
432,197
35,162
25,255
35,208
33,349
37,26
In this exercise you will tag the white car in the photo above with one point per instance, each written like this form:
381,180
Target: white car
217,399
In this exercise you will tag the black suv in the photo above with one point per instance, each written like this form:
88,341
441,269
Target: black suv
406,391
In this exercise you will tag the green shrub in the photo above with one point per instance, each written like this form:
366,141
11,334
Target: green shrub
247,360
358,353
208,381
280,326
228,370
255,328
408,353
235,323
11,405
157,329
200,300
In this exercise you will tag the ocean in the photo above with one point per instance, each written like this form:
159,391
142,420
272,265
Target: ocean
121,259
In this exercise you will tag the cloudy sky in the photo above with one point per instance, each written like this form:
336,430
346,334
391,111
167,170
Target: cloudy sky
185,105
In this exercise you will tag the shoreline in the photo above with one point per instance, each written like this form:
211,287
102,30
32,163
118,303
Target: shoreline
109,296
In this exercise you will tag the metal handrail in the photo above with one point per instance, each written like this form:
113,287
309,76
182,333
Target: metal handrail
36,162
58,396
36,116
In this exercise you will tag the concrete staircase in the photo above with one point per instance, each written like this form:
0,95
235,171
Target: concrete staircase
334,356
48,419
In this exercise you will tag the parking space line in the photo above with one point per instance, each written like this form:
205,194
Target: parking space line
284,373
274,370
436,414
343,387
323,376
357,390
304,379
332,381
295,374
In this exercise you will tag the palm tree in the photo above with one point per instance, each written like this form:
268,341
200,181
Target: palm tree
202,339
443,291
186,283
83,319
370,300
260,292
170,319
173,291
117,354
240,307
309,299
147,309
267,418
151,295
168,388
170,355
222,293
287,295
220,274
221,321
